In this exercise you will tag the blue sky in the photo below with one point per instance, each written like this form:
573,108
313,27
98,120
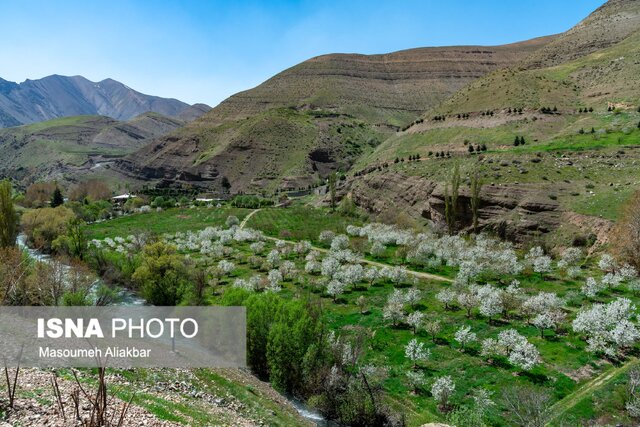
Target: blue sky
204,51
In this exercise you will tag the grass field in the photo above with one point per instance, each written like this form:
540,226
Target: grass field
298,222
167,221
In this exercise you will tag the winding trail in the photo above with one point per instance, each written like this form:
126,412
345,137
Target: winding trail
419,274
587,389
248,217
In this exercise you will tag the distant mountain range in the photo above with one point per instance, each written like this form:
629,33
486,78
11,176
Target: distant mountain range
61,96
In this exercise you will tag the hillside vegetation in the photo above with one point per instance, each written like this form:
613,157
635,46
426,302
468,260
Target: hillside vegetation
380,93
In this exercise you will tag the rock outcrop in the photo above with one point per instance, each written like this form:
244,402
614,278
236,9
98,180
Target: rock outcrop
515,212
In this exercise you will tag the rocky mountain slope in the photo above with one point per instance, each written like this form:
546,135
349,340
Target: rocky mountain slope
576,104
609,24
316,117
67,148
61,96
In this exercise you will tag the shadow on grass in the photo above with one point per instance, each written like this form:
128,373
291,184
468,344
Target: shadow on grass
535,377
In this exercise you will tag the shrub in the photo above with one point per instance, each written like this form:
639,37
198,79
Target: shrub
162,274
43,226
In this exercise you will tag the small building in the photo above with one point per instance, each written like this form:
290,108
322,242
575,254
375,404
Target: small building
121,199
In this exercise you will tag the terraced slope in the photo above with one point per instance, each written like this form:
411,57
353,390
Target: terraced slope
609,24
290,131
579,158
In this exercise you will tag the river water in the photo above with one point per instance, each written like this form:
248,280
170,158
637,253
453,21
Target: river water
129,297
125,296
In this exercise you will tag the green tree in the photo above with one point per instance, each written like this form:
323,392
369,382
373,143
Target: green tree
451,192
476,187
8,216
56,198
162,274
77,238
332,182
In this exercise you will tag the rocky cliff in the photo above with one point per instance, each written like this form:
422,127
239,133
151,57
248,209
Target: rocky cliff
515,212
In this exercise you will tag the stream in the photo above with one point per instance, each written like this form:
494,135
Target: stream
129,297
125,296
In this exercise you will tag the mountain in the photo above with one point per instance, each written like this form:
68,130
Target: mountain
575,102
609,24
317,116
61,96
595,62
68,148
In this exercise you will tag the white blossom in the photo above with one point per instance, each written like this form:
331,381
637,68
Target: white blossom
607,263
275,278
464,336
446,296
335,288
524,355
339,242
442,389
226,267
415,320
273,258
608,327
416,352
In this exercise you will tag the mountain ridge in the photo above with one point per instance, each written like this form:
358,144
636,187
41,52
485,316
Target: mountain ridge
58,96
321,100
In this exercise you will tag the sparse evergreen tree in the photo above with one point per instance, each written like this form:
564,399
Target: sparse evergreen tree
591,109
522,141
471,150
516,142
56,198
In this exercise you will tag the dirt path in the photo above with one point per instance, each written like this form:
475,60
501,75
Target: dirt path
248,217
587,389
419,274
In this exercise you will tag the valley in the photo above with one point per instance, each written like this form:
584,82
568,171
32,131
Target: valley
435,236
